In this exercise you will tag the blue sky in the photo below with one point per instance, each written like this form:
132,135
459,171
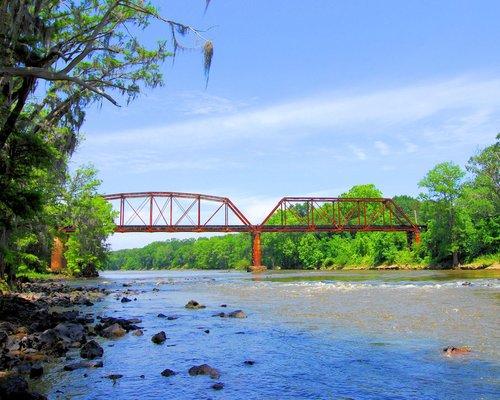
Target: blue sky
305,97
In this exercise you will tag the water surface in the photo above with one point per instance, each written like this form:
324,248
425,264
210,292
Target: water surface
312,335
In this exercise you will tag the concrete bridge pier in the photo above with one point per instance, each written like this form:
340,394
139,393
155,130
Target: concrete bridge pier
256,253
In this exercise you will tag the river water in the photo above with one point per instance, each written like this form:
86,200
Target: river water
312,335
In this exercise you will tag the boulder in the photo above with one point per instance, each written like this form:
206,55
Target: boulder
168,372
113,331
161,315
125,300
138,332
194,305
91,350
70,331
204,369
159,338
14,387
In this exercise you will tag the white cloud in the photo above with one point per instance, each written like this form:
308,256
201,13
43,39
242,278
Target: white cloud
358,152
382,147
302,117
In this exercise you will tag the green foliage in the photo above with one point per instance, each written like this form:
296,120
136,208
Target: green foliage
91,217
461,218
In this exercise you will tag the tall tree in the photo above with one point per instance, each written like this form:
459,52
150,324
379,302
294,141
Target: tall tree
85,52
447,221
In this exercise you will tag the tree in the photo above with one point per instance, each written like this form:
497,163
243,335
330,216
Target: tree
85,52
91,217
447,221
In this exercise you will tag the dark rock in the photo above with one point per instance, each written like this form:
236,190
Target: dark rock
168,372
160,315
70,331
466,284
220,314
113,331
125,300
127,285
218,386
36,371
83,364
204,369
171,318
142,376
194,305
223,305
207,331
453,351
237,314
91,350
159,338
14,387
114,377
156,289
249,362
138,332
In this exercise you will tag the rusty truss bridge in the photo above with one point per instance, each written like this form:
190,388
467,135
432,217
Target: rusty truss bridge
190,212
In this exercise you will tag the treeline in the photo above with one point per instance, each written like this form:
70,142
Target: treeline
460,208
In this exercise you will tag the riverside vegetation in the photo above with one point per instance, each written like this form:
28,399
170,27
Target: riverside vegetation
460,209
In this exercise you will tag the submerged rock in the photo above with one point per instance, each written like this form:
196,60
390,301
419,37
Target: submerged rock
168,372
83,364
249,362
232,314
161,315
159,338
194,305
91,350
452,351
204,369
237,314
218,386
114,377
113,331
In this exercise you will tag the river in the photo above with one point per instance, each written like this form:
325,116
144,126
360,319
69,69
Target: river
312,335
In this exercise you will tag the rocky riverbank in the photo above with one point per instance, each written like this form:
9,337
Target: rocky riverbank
38,324
42,321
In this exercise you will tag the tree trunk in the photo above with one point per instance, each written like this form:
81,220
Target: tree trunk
455,259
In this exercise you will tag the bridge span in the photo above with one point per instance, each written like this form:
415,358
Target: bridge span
192,212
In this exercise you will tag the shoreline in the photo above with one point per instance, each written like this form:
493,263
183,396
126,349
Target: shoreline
393,267
33,333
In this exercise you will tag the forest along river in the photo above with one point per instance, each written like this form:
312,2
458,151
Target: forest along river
312,335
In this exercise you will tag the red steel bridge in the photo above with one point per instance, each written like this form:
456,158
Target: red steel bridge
192,212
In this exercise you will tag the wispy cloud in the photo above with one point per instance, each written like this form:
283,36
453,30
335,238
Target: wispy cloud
215,133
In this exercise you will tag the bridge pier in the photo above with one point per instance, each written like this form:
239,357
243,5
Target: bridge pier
57,260
256,253
412,237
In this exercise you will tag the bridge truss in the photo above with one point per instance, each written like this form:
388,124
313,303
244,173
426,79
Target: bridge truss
191,212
